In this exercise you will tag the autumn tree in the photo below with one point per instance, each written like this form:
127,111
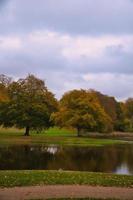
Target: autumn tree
3,93
4,97
30,105
109,105
121,113
80,109
4,83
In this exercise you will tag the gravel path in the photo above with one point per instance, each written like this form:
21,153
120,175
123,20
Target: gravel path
58,191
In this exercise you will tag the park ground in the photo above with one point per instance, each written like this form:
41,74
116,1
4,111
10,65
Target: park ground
58,136
13,181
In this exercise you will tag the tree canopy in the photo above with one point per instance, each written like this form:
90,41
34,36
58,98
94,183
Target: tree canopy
30,105
27,103
81,109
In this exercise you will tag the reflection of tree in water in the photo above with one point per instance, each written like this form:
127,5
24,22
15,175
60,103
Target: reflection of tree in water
103,159
24,157
90,159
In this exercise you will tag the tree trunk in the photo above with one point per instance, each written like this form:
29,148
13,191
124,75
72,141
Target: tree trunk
27,131
79,132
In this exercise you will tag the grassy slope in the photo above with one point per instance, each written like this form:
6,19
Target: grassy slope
52,136
38,177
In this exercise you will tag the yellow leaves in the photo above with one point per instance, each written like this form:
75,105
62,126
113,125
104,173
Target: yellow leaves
3,94
82,110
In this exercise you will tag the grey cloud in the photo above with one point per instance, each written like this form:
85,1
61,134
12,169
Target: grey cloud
47,62
2,3
115,50
18,18
62,80
118,65
74,17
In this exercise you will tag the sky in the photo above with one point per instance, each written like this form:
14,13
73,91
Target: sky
71,44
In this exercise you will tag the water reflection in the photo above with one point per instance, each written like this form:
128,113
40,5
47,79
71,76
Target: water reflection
123,169
114,159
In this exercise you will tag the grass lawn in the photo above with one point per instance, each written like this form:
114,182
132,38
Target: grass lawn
40,177
51,136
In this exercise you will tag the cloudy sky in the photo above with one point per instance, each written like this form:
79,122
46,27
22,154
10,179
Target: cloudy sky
69,43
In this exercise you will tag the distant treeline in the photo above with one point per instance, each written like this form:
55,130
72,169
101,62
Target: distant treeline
27,103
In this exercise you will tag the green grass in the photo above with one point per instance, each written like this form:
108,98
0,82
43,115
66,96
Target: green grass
37,177
52,136
50,132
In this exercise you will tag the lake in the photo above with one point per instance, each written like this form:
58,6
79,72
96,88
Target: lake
117,159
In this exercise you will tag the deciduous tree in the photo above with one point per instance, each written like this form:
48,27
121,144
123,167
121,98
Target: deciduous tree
30,105
80,109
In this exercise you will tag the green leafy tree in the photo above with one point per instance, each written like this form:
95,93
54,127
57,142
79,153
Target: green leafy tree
120,121
30,105
129,113
80,109
124,120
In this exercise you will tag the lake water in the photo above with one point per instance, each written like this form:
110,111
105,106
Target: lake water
116,159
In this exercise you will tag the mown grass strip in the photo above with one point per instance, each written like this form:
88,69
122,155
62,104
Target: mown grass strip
52,136
37,177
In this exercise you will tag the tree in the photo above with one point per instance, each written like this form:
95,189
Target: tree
30,105
129,108
109,105
80,109
120,122
3,93
5,80
129,113
4,83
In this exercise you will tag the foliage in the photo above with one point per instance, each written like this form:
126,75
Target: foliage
5,80
80,109
109,105
120,121
27,103
129,114
124,120
4,83
30,105
3,93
